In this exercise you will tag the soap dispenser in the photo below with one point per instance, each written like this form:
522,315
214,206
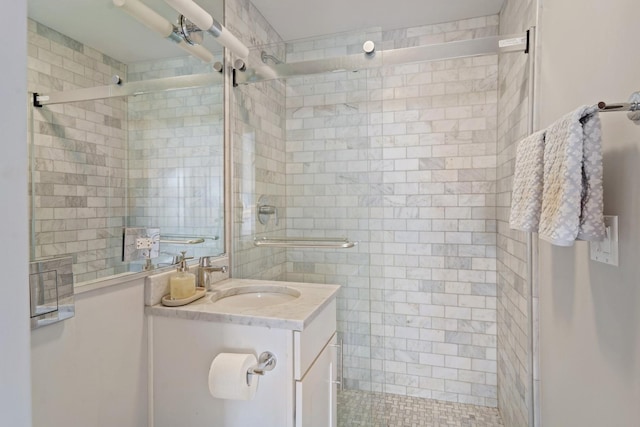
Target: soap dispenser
182,284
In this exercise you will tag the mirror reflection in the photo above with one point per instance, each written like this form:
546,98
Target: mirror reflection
122,183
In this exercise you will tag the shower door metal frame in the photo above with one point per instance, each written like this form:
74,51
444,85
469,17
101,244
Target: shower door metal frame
127,89
532,249
433,52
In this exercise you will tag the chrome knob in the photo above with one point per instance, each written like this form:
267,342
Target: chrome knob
239,64
369,47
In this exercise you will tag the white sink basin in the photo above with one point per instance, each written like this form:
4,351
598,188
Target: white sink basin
254,296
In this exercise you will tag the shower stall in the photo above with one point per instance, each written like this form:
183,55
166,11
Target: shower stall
369,160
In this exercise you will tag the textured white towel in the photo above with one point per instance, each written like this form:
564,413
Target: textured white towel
572,200
526,197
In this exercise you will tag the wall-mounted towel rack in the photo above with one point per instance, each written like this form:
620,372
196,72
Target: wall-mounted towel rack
633,107
621,106
305,242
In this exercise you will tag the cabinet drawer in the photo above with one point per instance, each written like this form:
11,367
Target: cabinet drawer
309,343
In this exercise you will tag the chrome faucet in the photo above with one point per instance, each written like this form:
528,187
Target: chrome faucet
175,259
205,267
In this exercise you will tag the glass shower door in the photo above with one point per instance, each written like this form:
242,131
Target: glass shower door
303,172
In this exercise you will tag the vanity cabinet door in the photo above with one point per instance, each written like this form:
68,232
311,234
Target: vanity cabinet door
316,391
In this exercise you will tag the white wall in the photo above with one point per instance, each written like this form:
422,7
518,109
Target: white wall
590,312
91,370
15,402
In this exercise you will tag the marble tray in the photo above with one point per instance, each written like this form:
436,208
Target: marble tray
166,300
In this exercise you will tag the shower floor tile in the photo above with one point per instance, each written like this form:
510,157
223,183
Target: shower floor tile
361,408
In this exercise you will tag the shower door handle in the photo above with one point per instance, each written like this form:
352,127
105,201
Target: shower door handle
340,348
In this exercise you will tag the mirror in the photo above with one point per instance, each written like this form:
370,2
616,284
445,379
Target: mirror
140,167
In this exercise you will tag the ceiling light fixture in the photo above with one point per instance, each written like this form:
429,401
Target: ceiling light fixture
152,20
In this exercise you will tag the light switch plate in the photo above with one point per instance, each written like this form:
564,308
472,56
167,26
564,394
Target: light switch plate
607,250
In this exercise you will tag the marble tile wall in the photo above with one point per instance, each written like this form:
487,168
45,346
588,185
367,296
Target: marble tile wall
514,394
176,162
78,157
402,159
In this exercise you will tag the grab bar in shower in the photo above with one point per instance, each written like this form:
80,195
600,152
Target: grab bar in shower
305,242
175,239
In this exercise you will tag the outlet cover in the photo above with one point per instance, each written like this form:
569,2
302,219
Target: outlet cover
140,243
607,251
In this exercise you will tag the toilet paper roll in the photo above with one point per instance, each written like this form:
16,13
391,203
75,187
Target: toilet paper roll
228,376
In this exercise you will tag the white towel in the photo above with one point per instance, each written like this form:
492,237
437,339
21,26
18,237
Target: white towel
526,197
572,200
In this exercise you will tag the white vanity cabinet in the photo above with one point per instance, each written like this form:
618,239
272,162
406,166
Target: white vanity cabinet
299,392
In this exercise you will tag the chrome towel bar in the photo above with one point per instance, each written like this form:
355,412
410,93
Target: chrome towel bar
175,239
305,242
621,106
632,107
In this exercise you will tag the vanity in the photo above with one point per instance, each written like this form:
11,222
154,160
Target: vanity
294,321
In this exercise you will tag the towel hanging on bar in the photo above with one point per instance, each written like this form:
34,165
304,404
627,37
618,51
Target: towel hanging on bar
571,205
572,198
526,201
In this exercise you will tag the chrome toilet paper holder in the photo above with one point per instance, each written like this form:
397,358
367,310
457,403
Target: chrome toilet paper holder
266,362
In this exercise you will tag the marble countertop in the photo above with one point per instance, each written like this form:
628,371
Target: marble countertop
291,315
